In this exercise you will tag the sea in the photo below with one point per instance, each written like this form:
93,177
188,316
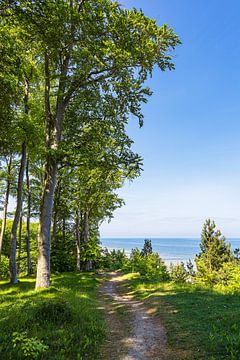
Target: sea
171,250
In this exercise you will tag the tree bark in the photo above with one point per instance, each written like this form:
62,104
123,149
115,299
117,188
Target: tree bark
13,264
64,230
88,263
4,220
19,242
53,133
29,261
55,210
43,265
78,240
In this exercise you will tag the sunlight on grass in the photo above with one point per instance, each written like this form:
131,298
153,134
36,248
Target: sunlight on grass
64,321
210,314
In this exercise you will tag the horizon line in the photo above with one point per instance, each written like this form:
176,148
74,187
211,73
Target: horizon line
161,237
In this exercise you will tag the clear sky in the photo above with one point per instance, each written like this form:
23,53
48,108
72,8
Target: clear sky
191,136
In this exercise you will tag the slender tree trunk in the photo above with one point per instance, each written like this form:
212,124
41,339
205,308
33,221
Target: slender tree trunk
88,263
86,227
13,264
64,230
19,242
29,261
78,241
4,220
55,211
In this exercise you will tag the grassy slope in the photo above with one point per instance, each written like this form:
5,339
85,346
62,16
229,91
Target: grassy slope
74,333
200,320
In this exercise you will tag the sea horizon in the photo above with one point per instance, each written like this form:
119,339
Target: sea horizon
171,249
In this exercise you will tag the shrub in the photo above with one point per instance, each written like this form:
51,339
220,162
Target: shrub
178,273
4,267
54,311
113,260
228,278
151,266
29,348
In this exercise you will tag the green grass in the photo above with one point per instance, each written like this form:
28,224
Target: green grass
63,322
200,320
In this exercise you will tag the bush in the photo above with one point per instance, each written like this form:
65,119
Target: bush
228,278
151,266
113,260
4,267
29,348
53,311
178,273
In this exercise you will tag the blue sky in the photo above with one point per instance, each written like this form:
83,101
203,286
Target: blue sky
190,140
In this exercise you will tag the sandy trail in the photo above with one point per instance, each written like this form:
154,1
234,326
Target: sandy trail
147,339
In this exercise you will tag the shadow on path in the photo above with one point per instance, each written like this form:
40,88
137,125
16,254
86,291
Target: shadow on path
139,334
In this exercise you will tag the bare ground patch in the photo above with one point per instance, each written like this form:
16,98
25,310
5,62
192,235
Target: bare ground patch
136,331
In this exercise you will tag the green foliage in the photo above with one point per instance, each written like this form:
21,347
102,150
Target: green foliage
56,311
85,65
190,269
4,267
228,277
113,260
4,264
91,250
62,253
150,266
147,248
29,348
214,253
178,273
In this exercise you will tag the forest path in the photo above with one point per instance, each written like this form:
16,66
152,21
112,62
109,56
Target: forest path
136,332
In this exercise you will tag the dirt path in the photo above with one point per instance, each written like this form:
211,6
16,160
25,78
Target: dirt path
145,336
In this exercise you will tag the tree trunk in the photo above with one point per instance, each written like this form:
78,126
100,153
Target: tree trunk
54,227
43,265
64,230
13,264
53,132
78,241
29,261
4,220
19,242
88,263
55,211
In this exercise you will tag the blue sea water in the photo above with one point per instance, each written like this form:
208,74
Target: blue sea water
171,250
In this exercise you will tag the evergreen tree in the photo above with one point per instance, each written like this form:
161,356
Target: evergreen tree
214,253
147,248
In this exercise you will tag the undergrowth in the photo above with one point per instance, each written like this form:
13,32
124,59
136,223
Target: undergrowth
61,323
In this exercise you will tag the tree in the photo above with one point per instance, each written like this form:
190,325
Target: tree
7,193
214,253
83,45
147,248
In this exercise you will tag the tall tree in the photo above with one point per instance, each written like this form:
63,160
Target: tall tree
6,200
86,44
